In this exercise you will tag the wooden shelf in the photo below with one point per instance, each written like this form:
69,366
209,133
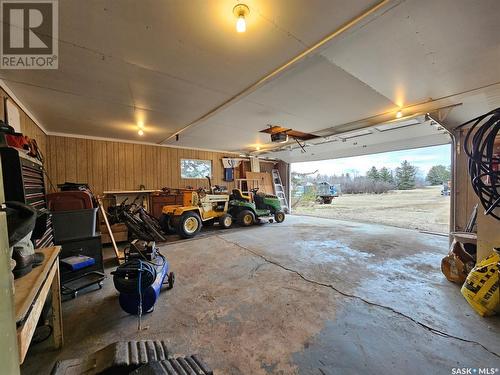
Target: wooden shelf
30,294
465,237
120,192
27,287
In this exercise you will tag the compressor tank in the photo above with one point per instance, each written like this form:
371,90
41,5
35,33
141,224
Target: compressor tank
129,302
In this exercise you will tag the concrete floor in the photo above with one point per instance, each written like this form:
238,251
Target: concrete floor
308,296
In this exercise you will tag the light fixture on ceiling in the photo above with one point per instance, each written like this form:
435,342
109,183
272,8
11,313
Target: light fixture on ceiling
140,125
399,114
241,11
257,148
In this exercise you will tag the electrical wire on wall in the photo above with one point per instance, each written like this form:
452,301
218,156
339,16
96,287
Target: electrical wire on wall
482,146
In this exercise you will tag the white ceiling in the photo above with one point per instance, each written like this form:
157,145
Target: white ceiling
170,63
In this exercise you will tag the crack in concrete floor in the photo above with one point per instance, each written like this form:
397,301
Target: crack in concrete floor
348,295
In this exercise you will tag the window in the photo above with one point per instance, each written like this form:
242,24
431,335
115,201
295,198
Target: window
192,168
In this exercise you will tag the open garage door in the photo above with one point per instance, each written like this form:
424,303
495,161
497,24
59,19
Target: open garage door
410,188
399,134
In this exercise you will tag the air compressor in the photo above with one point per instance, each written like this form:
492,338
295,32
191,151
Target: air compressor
140,278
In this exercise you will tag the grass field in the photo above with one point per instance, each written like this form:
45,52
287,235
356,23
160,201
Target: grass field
422,209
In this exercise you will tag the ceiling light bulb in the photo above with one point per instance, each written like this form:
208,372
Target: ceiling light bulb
241,11
140,132
399,114
257,148
241,25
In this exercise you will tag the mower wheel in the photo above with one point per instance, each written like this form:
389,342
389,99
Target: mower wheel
246,218
279,216
171,280
225,221
189,224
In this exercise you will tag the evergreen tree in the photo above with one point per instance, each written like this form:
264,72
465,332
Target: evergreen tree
385,175
373,174
438,174
405,176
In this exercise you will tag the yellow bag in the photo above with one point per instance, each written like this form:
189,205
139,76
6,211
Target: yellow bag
481,288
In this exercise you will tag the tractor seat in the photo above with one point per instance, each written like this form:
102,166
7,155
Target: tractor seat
238,195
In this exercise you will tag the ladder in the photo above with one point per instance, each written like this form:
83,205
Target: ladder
278,188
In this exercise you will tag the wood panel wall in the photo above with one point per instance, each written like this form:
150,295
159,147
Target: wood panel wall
108,165
28,126
465,199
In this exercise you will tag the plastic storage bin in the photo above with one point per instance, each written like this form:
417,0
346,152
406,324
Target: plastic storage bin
72,225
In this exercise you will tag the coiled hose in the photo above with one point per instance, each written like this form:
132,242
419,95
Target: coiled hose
484,159
134,276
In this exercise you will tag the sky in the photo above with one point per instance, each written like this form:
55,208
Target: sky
423,158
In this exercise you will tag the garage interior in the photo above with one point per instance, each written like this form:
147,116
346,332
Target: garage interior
150,97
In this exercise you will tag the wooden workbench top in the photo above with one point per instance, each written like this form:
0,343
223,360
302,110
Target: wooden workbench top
129,192
27,287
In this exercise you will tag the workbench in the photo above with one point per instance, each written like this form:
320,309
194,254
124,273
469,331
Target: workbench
118,196
152,200
30,294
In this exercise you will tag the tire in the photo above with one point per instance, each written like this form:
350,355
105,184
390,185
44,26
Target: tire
166,224
225,221
279,216
171,280
189,225
246,218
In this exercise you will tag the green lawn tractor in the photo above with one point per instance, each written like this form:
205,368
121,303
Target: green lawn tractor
247,211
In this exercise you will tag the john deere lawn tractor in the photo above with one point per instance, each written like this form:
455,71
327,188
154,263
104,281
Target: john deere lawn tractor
248,211
198,208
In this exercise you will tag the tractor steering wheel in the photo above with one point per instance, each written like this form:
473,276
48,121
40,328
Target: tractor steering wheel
201,193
